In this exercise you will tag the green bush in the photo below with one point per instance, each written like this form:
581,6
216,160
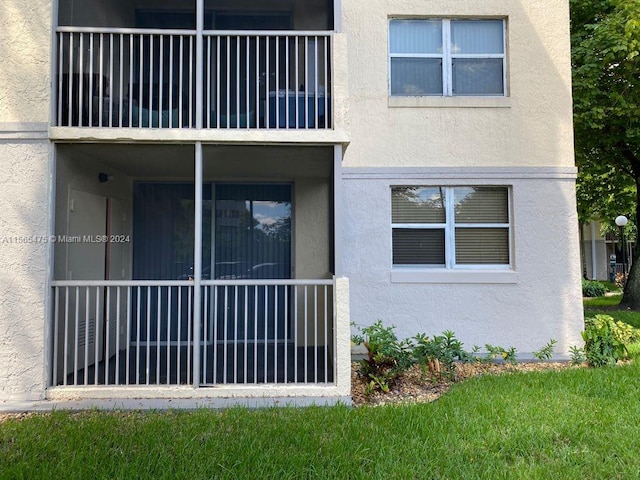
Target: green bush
438,354
591,288
606,340
387,357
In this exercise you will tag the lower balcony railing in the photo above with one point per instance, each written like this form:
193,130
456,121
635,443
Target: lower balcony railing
118,333
143,78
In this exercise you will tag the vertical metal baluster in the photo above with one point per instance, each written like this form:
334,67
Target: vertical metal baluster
96,336
266,325
117,370
128,342
121,80
315,95
306,83
189,344
225,334
138,339
276,88
160,82
151,92
205,333
70,103
100,78
257,82
295,334
275,333
327,45
286,67
148,335
171,82
158,323
111,80
247,94
81,78
180,81
190,81
169,315
140,89
215,333
60,77
255,334
286,332
130,124
235,335
75,360
238,81
246,333
179,339
218,40
86,334
208,61
297,103
326,337
65,353
228,122
315,333
267,98
90,93
306,333
56,340
107,334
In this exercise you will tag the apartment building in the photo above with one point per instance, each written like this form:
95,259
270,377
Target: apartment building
200,196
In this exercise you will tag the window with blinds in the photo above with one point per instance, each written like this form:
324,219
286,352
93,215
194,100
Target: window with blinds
450,226
447,57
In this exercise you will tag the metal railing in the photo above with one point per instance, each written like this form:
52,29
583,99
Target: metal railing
119,333
150,78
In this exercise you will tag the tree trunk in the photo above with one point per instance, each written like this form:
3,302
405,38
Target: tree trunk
631,295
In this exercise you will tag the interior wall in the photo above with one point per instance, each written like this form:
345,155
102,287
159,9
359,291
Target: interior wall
81,173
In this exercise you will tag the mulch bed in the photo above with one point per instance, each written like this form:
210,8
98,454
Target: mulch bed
416,386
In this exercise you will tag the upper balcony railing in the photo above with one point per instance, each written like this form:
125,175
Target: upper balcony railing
143,78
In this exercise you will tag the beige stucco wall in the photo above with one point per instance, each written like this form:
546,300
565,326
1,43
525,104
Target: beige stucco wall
530,127
25,40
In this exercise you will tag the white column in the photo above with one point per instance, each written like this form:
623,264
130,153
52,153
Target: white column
197,266
337,210
594,260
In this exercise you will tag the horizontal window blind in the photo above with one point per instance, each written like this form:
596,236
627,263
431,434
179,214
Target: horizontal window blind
414,246
481,205
418,205
482,246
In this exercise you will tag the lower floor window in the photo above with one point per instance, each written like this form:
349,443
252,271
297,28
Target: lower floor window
449,227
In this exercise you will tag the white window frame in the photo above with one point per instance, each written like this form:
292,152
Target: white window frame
447,57
450,226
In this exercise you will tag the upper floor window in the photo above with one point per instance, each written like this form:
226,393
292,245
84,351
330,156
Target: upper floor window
447,57
451,227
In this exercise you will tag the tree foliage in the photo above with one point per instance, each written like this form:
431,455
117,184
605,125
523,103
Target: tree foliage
605,36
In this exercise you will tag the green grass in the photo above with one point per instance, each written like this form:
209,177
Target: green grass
610,301
569,424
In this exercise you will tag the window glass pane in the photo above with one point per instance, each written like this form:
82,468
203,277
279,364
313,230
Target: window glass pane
481,204
417,205
477,36
415,36
482,246
416,76
477,76
414,246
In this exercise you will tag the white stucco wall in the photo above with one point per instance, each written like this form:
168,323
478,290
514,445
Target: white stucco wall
462,131
539,299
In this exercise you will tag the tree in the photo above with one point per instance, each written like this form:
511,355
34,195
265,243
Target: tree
605,37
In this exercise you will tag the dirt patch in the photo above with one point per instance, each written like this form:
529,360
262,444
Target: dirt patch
417,386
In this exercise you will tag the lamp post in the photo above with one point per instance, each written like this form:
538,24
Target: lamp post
621,221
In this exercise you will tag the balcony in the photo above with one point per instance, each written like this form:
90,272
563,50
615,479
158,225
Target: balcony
174,79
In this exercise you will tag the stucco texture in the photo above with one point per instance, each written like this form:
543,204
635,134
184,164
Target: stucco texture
532,126
24,189
25,50
540,302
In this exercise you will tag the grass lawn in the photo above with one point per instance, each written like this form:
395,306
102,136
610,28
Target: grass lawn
608,306
574,423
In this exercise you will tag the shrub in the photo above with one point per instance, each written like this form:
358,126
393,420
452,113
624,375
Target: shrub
591,288
387,357
438,354
577,355
606,340
546,352
508,355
